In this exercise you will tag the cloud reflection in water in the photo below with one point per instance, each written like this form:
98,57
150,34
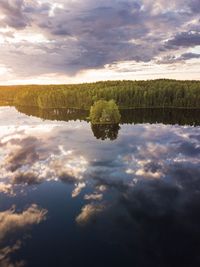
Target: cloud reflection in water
141,191
12,222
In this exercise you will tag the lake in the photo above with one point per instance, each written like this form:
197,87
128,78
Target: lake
74,194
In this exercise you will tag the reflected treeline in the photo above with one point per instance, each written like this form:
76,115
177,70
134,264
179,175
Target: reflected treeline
130,116
55,114
165,116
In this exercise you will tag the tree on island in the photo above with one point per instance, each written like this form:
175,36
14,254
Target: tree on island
105,112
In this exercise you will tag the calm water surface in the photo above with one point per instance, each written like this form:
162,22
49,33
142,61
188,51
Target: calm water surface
72,194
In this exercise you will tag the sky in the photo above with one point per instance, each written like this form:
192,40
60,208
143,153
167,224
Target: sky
75,41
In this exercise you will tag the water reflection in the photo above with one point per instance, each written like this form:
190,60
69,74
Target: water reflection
13,226
130,116
105,131
55,114
169,116
134,201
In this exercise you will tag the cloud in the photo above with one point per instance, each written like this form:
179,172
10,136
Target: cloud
35,155
188,148
27,161
78,189
26,154
170,59
185,175
89,213
141,213
5,256
69,37
194,5
93,197
6,188
152,218
26,178
187,56
11,222
13,11
185,39
17,12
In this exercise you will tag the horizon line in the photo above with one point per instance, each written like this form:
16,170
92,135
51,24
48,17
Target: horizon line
102,81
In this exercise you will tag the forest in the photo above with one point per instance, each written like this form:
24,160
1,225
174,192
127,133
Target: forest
161,93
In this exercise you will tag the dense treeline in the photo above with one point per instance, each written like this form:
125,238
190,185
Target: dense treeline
127,94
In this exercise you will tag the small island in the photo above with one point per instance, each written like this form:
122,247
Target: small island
105,112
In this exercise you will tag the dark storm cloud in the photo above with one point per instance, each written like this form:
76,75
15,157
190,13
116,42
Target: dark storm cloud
83,35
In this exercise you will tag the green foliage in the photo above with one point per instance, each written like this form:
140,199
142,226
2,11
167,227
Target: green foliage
126,94
105,112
